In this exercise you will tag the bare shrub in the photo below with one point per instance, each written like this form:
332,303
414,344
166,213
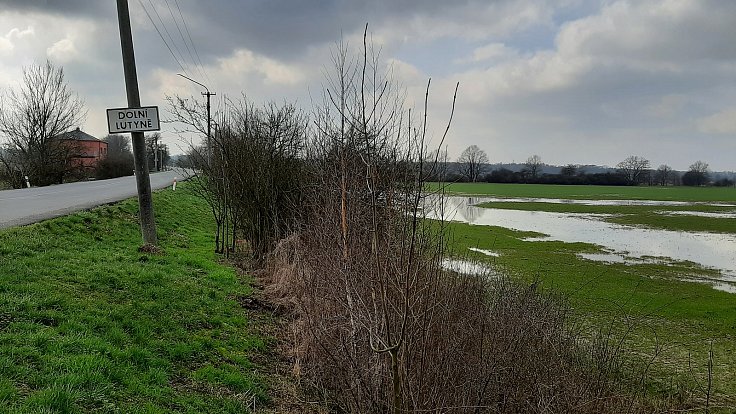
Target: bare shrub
471,344
249,171
378,323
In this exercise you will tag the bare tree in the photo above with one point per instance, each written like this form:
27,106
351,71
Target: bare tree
472,162
569,170
534,165
699,166
663,175
117,145
188,115
634,168
32,117
697,175
156,152
119,160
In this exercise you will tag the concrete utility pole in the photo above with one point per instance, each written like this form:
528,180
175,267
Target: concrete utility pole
208,94
143,182
155,153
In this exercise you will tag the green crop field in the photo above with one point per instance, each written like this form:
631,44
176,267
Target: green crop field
591,192
89,324
671,321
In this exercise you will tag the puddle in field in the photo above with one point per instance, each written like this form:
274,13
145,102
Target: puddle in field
724,286
729,287
713,214
605,257
710,250
485,252
618,258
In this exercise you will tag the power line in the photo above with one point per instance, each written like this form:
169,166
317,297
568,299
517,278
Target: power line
169,34
161,36
186,28
189,51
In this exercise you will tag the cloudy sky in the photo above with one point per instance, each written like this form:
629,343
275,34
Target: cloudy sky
575,81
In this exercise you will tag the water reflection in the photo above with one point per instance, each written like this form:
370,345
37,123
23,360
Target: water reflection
715,251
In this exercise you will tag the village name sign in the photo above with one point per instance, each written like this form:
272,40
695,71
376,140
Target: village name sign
133,119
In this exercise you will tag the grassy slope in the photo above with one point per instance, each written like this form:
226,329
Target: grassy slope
89,324
684,316
583,192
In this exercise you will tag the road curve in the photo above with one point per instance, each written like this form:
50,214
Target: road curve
30,205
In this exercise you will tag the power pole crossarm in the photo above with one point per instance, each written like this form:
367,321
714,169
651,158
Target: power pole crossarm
208,94
143,182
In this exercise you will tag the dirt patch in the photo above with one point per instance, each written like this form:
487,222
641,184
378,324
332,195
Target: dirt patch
289,391
150,249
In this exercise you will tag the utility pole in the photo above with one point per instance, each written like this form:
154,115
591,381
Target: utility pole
155,153
143,181
208,94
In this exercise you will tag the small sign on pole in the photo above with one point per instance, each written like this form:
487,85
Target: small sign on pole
133,119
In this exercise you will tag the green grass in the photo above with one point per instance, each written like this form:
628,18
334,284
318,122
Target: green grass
682,317
89,324
591,192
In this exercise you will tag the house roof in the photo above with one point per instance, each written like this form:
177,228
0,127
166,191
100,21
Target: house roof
77,135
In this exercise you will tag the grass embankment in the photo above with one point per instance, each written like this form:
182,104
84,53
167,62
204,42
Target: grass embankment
89,324
681,317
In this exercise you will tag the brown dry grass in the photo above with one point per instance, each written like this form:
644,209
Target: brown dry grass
475,346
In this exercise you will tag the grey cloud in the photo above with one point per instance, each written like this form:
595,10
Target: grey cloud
649,31
64,7
589,102
284,28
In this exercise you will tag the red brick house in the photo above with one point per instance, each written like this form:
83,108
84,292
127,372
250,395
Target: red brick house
89,150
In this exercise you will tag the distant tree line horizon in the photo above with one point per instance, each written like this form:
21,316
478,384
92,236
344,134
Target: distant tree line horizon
473,166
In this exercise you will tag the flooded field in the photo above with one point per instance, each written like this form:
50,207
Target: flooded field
621,243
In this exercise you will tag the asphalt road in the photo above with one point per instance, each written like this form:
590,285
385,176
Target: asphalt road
30,205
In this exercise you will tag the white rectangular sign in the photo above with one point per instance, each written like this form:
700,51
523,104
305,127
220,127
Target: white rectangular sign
133,119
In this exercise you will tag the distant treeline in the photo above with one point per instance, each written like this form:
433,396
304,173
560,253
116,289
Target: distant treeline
572,176
504,175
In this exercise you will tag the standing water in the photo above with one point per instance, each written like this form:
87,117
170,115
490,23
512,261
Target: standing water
710,250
